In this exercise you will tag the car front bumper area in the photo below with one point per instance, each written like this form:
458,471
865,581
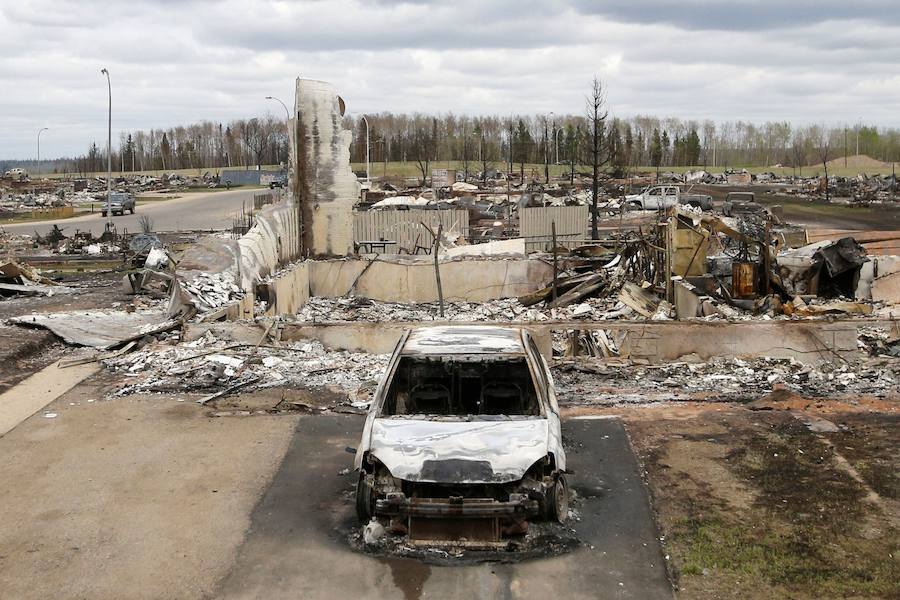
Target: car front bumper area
455,521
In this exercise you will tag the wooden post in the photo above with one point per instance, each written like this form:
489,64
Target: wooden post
437,270
555,267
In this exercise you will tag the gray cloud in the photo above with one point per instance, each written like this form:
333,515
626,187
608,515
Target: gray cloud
758,15
177,61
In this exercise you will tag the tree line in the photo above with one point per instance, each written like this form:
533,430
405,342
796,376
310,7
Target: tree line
205,145
495,141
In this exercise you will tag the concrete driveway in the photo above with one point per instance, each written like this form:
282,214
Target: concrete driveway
296,546
190,211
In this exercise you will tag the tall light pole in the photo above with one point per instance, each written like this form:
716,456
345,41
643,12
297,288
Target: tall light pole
366,121
287,121
287,126
108,155
40,131
287,113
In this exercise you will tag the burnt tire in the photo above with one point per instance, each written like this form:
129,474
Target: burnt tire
365,502
557,500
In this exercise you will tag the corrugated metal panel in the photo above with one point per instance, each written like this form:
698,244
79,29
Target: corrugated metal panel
404,227
535,225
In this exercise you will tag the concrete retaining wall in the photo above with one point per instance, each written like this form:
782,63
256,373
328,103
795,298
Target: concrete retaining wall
289,291
655,341
413,280
273,241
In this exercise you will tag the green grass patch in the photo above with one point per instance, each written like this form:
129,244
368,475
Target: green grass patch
798,558
805,532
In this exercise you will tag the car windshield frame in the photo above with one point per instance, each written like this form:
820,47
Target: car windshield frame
540,393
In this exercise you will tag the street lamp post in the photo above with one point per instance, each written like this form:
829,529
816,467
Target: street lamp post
366,121
287,113
108,154
40,131
287,126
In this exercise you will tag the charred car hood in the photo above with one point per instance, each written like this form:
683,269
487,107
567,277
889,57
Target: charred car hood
459,451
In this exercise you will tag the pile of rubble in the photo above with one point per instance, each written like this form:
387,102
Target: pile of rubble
320,310
585,381
876,341
215,364
213,290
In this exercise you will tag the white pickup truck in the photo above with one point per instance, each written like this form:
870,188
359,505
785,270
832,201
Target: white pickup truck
16,174
664,196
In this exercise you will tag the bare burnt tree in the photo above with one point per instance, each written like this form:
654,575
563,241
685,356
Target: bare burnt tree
482,155
823,150
597,144
572,138
465,139
257,136
420,148
522,141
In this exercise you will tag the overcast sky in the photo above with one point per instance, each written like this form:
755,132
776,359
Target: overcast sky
179,61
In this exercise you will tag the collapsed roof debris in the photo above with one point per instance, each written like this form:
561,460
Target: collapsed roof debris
100,329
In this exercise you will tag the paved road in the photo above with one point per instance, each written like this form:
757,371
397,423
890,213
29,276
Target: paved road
296,547
194,210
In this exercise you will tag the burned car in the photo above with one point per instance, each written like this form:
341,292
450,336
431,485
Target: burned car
742,203
462,441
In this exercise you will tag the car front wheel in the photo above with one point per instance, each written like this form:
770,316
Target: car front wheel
365,503
558,500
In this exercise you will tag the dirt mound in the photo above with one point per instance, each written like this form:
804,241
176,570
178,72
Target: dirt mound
859,161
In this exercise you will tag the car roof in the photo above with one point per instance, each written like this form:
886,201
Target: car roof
463,339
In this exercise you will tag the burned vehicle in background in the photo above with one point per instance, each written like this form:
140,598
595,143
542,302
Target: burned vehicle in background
462,442
742,203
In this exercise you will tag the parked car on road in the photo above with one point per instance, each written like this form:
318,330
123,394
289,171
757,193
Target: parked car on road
665,196
119,202
462,440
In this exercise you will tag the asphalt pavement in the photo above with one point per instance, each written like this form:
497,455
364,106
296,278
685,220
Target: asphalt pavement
296,546
190,211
